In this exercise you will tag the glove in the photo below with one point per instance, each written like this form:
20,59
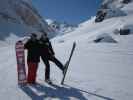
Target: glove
52,53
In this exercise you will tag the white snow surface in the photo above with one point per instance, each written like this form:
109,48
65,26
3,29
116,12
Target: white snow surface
97,71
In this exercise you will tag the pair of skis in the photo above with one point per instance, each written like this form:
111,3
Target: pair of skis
68,62
20,56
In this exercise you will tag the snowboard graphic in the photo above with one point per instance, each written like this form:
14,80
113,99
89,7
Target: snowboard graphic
20,57
68,62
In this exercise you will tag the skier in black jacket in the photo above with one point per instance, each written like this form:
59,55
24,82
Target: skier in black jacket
33,58
47,53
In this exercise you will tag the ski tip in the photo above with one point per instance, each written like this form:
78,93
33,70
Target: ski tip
74,43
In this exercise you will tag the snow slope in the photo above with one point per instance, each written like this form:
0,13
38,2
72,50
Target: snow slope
97,72
104,68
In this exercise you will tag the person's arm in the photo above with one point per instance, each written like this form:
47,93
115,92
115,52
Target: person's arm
27,45
50,47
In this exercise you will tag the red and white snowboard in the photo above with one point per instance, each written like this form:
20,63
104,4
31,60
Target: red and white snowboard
20,56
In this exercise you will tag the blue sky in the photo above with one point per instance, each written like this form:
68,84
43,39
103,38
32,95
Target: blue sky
71,11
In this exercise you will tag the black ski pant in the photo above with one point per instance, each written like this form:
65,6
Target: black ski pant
46,60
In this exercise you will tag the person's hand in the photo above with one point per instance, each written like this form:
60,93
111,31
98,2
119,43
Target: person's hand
53,54
25,39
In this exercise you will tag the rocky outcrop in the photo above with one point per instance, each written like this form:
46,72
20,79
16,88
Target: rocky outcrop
111,8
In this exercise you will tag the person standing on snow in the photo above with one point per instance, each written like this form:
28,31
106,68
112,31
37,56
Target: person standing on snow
46,54
33,58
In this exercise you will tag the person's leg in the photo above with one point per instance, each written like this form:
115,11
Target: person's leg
57,62
32,70
35,72
47,68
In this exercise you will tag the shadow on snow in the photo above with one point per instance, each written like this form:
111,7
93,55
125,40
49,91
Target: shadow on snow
90,93
42,92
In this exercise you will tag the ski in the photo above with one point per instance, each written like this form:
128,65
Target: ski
20,57
68,62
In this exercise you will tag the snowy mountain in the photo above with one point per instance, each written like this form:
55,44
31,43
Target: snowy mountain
112,26
61,28
112,8
100,69
20,17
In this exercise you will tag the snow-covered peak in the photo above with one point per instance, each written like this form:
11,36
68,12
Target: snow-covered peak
60,28
20,17
49,21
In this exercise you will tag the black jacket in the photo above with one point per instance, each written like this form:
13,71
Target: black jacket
33,51
45,48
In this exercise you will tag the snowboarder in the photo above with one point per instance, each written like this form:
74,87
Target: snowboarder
46,54
32,58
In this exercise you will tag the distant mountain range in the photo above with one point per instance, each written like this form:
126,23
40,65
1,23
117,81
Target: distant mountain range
61,28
